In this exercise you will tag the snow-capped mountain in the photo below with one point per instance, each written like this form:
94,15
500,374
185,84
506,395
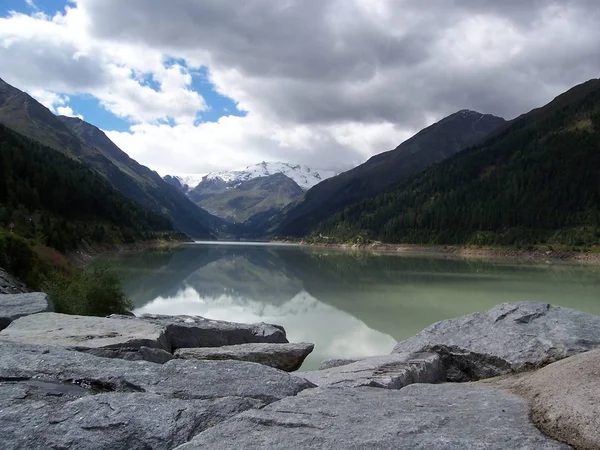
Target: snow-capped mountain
189,180
304,176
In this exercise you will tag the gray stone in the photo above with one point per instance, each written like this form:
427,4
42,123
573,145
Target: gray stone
194,331
389,372
330,363
564,398
511,337
15,306
288,357
51,397
155,355
451,416
83,332
10,285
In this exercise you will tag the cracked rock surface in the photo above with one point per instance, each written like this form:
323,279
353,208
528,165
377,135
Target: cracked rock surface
51,397
442,416
288,357
510,337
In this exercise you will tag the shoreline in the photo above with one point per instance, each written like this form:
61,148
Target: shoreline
88,253
457,251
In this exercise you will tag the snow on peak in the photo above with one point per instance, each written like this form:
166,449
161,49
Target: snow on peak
304,176
191,180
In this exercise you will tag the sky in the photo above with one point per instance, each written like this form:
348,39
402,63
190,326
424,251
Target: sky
195,86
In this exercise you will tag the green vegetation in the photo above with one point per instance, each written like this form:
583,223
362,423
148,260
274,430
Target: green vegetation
60,203
441,140
537,181
94,291
51,204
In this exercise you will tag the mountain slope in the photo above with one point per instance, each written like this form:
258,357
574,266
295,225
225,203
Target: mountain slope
536,181
84,142
149,188
58,201
431,145
244,199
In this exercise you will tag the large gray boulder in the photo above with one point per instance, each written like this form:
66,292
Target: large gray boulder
390,372
14,306
84,332
564,398
288,357
195,331
451,416
511,337
51,397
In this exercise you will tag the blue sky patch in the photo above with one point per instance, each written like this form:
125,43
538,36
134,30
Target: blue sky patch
95,113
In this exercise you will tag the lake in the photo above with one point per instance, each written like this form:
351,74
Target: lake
349,304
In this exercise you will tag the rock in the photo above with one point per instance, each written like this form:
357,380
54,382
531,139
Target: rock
155,355
330,363
10,285
51,397
84,333
19,305
389,372
564,398
288,357
194,331
450,416
511,337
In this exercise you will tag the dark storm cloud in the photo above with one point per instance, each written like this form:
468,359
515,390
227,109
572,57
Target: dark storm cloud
333,61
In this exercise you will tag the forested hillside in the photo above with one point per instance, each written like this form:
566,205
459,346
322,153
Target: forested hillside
60,203
431,145
89,145
537,181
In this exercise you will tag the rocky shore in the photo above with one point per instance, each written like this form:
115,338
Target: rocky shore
519,376
534,255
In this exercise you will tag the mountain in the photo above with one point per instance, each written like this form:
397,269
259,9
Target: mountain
431,145
259,190
60,203
239,200
184,183
304,176
536,181
86,143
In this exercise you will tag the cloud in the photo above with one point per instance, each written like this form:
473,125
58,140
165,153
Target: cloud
326,83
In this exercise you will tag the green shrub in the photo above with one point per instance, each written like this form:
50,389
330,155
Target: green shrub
95,291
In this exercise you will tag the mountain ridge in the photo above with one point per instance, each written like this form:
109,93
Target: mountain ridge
88,144
433,144
535,181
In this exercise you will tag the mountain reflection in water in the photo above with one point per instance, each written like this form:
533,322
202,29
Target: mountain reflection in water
349,304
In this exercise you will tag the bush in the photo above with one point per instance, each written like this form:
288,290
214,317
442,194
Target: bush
95,291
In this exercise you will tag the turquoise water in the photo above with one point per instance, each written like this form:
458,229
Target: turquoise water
349,304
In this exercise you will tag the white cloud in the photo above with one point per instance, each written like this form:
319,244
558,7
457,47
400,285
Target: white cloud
326,83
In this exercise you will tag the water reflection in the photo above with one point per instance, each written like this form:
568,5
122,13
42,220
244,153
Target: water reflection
348,304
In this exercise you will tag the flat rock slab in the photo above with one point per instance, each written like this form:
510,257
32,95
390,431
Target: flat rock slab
288,357
511,337
564,398
83,332
389,372
450,416
14,306
330,363
51,397
194,331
